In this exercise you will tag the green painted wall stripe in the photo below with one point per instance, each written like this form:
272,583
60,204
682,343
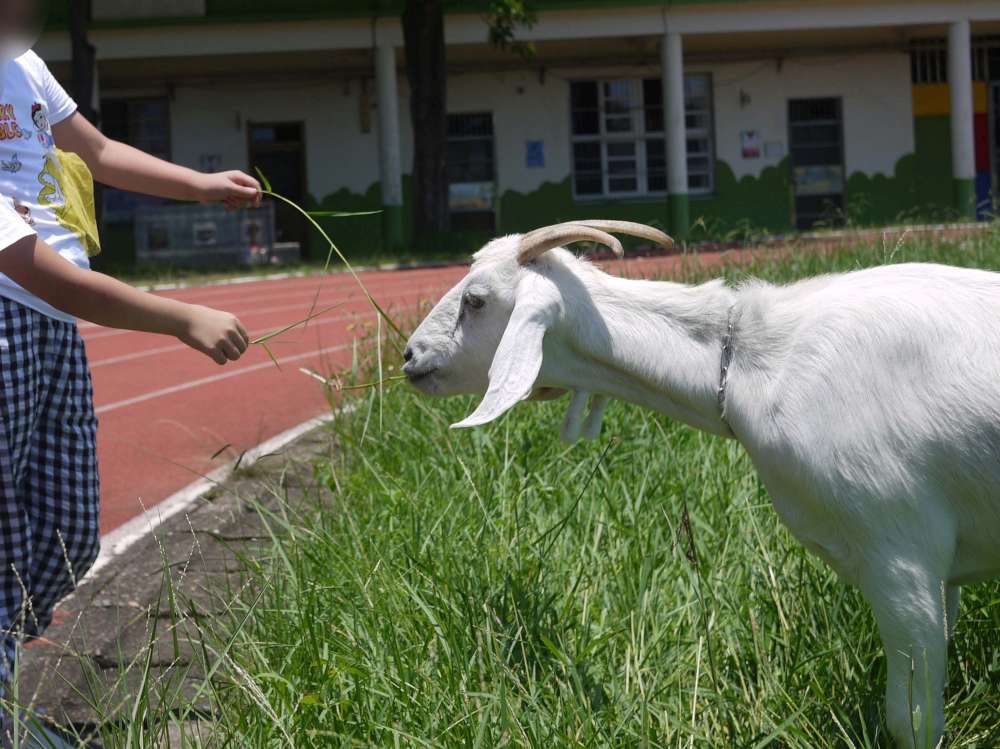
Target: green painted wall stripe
680,215
393,237
965,198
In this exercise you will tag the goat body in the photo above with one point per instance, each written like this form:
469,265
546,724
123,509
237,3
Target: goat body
867,401
870,406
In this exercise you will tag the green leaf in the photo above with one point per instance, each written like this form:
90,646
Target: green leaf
342,214
312,316
270,354
263,179
334,250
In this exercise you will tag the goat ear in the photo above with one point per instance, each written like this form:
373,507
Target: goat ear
516,364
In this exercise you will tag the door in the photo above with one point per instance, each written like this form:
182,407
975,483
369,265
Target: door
278,150
472,172
816,148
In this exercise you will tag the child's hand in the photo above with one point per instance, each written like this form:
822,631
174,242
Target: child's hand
218,335
233,189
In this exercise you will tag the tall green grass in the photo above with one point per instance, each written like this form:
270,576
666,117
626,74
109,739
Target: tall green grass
496,588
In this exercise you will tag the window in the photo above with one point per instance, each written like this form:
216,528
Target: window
929,59
619,149
472,171
470,148
145,124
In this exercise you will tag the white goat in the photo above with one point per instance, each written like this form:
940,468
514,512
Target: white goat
868,402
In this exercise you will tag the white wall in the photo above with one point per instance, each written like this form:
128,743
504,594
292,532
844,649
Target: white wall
876,91
877,106
875,88
213,121
525,108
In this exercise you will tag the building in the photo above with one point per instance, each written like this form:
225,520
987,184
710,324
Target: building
708,117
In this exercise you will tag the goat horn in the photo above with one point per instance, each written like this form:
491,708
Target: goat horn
631,229
537,243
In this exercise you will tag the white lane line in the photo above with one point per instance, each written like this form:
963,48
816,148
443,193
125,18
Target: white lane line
368,275
326,283
216,378
181,347
120,540
110,333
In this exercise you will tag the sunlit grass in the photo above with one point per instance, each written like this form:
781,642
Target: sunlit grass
496,588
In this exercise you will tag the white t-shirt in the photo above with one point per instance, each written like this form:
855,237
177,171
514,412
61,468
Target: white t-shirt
32,195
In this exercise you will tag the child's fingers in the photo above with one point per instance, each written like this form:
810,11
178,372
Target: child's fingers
247,192
248,187
229,351
239,342
246,180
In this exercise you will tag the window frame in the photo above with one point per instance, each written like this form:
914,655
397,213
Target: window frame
639,136
492,138
132,200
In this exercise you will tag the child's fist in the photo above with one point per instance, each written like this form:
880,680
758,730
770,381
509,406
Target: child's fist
218,335
233,189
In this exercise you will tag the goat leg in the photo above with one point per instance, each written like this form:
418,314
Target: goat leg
573,425
592,427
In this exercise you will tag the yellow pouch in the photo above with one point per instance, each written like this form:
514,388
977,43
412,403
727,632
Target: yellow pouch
68,187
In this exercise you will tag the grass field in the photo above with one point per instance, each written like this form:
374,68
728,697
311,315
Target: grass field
496,588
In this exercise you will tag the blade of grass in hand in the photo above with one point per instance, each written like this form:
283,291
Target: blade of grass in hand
294,325
333,249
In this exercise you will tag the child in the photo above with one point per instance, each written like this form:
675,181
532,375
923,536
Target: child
49,492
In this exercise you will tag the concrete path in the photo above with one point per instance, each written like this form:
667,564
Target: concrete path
144,622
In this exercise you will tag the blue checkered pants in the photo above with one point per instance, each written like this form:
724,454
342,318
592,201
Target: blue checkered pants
49,487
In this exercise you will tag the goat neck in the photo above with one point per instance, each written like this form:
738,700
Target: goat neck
655,344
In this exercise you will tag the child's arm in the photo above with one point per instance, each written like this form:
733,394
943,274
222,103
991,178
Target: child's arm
127,168
103,300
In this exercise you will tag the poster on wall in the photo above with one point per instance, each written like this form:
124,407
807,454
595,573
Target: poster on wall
750,144
206,233
467,197
535,154
818,180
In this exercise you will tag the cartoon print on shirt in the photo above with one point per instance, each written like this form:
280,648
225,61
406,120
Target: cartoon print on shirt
68,189
9,129
52,190
13,166
41,120
24,212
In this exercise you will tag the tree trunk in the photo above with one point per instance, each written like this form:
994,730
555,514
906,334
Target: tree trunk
84,59
426,70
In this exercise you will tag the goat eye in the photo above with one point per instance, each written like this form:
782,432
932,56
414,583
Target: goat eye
474,302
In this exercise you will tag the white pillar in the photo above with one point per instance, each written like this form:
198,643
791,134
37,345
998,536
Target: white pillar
390,159
963,142
674,121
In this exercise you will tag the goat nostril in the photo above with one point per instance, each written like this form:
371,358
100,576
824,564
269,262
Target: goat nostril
408,354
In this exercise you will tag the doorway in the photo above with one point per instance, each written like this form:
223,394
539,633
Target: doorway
279,151
816,148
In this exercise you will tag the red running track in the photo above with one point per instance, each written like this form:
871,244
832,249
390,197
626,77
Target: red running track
166,412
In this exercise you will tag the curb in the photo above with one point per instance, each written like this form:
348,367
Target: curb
117,542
